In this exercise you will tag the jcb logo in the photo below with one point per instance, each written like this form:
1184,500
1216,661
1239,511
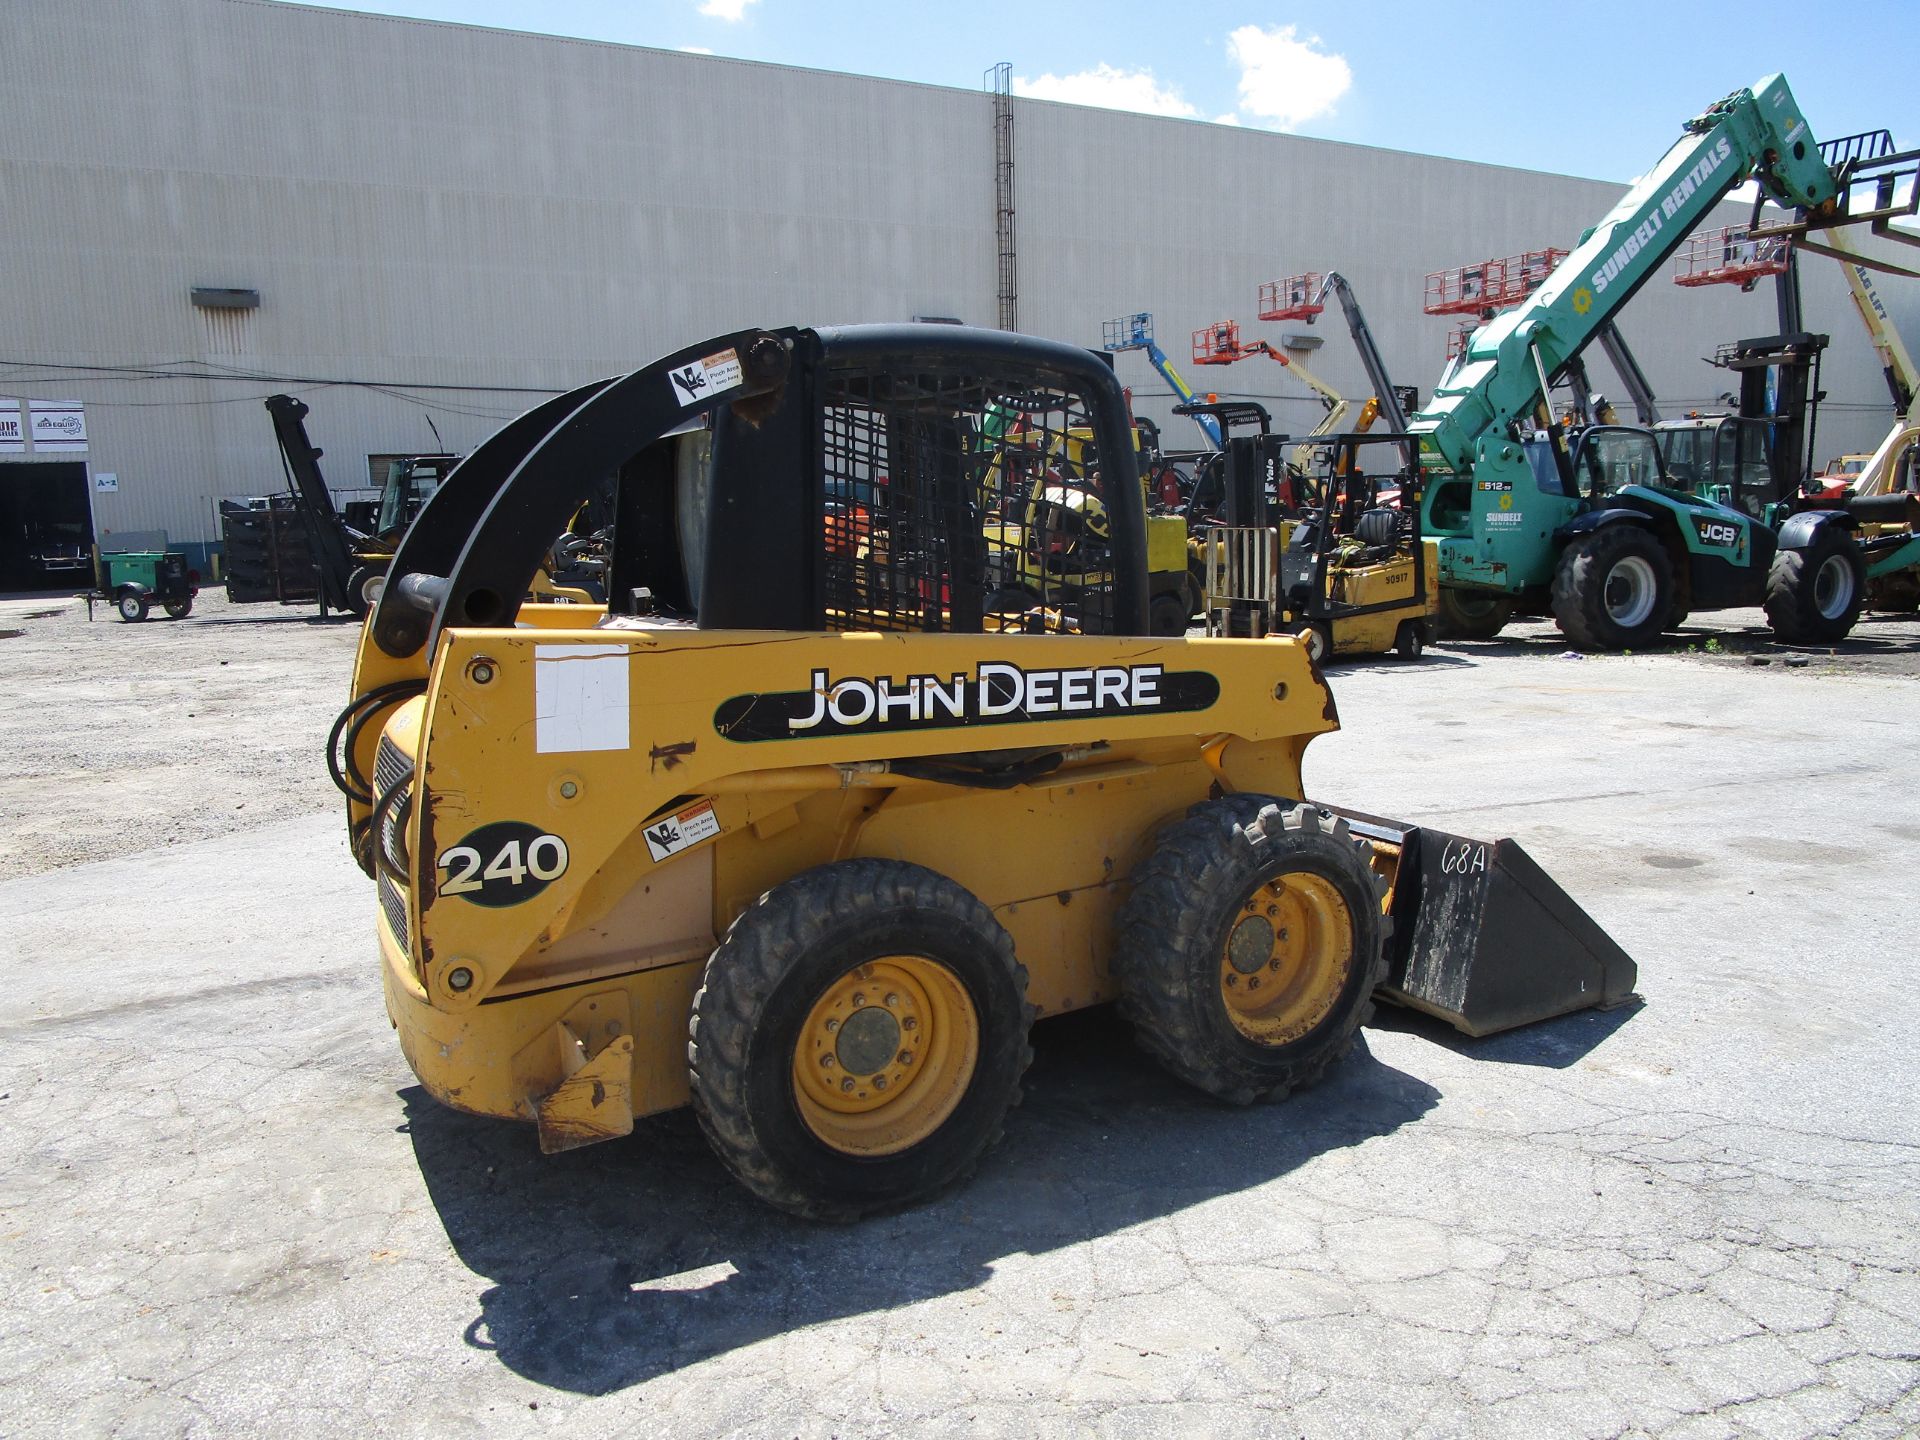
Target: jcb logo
1718,532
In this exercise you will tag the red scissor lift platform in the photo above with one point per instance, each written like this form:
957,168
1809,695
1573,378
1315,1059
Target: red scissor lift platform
1730,257
1489,285
1292,298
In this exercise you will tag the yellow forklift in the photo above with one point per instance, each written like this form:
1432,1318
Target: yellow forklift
791,831
1320,541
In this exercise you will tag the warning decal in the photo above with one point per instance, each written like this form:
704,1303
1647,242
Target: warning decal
706,377
671,834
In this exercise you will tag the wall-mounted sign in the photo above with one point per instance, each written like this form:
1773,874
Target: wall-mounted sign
12,438
57,424
106,482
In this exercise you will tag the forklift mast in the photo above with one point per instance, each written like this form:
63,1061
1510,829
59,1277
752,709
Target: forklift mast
326,533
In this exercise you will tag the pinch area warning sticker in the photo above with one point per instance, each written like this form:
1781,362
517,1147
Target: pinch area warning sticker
706,377
671,834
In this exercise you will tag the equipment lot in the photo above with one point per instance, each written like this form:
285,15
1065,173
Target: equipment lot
225,1207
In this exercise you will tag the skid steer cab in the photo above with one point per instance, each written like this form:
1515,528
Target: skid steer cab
809,823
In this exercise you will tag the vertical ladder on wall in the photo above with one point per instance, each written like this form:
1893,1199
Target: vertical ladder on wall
1000,79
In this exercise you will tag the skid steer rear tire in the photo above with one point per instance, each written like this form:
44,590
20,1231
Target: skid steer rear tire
1814,595
1229,904
858,1038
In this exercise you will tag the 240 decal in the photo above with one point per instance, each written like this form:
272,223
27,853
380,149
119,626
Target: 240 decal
505,863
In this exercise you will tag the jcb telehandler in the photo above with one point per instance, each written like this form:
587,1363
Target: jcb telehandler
1526,522
789,830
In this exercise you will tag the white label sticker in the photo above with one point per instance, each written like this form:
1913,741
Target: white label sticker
579,698
706,377
671,834
1504,517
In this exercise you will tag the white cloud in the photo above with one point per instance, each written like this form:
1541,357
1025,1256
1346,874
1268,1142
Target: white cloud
1285,80
728,10
1109,89
695,50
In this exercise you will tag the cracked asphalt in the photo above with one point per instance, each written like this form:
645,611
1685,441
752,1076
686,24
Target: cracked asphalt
225,1208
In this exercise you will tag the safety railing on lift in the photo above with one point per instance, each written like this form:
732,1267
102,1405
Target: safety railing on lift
1489,285
1730,256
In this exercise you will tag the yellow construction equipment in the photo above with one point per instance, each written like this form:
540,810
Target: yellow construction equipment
793,831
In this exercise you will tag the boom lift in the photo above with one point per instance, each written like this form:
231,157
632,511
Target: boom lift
1610,546
812,805
1135,332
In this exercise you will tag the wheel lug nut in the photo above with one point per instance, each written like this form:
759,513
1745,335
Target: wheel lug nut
893,999
1233,981
832,1025
826,1062
906,1057
1273,909
1254,983
1273,965
879,1082
846,1084
858,998
909,1023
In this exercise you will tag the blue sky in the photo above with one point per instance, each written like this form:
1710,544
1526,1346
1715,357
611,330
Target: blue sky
1596,89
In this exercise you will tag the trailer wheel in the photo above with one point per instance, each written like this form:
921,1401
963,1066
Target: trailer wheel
131,604
1250,947
1411,639
1814,595
178,609
1613,589
1472,614
858,1038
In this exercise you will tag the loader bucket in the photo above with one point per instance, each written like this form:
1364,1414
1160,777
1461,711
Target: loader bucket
1483,938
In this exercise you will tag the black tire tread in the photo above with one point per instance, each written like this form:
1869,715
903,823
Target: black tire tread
1454,625
1790,601
1168,912
747,965
1579,591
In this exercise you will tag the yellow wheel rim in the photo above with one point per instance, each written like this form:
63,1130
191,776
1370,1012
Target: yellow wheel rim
1286,958
885,1055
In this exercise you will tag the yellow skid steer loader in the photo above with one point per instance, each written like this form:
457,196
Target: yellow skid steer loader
799,829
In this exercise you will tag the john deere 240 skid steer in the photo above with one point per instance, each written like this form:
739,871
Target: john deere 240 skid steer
802,829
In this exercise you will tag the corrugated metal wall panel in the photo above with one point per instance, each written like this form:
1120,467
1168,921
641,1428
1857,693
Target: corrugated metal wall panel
427,202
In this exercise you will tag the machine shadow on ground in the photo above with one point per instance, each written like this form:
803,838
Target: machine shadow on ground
621,1262
1552,1044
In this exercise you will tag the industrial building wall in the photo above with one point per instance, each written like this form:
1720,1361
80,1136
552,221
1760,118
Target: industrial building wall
502,215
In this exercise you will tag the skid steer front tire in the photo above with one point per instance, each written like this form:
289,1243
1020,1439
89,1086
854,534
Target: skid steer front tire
858,1039
1250,947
